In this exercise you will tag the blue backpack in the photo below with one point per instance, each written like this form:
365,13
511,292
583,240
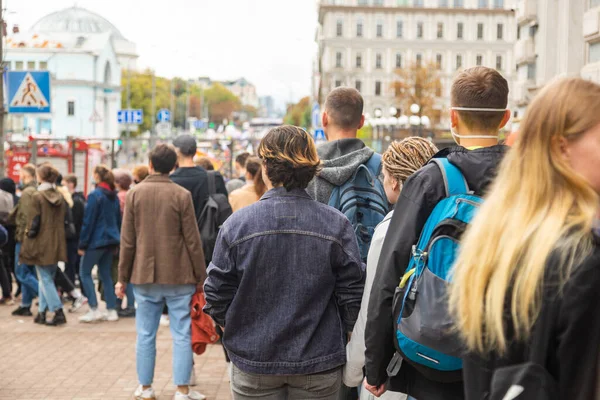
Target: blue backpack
363,201
424,331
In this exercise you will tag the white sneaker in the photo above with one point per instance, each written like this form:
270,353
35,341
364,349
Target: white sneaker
141,394
193,378
78,303
91,316
164,320
190,396
111,316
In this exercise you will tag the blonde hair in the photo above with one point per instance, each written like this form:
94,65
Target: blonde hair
404,158
537,207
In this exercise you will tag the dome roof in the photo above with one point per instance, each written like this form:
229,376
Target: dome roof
76,20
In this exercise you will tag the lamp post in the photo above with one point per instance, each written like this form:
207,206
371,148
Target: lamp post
415,120
378,115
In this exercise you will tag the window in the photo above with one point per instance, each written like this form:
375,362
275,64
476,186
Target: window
479,60
379,29
458,61
19,65
70,108
518,33
498,3
594,3
338,83
339,30
43,65
378,61
440,30
438,89
419,30
359,61
438,61
480,31
500,31
399,29
377,88
531,71
499,63
30,65
398,60
459,4
483,4
594,54
359,29
338,60
418,3
358,85
459,30
533,30
419,59
443,3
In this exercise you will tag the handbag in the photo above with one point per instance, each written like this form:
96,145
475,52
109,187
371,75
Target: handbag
529,380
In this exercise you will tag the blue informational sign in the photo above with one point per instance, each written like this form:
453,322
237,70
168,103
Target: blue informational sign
319,134
130,117
316,115
164,115
199,124
28,92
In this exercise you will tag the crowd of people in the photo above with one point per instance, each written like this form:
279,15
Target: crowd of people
334,272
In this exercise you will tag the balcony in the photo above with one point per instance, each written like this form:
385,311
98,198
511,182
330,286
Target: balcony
524,51
523,92
526,11
591,23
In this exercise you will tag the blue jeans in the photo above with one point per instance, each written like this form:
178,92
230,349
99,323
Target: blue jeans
130,296
49,300
103,259
27,277
151,299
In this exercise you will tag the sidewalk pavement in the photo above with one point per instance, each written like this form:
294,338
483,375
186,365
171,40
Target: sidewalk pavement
91,361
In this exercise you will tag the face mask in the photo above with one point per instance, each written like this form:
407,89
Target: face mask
456,136
93,182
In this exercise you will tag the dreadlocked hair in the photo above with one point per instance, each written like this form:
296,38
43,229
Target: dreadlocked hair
404,158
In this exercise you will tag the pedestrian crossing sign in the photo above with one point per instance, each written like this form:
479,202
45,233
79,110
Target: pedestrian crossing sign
28,92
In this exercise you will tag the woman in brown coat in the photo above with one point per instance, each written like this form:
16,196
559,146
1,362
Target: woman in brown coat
45,244
253,190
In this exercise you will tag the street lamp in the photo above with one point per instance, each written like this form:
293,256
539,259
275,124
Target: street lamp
378,114
414,108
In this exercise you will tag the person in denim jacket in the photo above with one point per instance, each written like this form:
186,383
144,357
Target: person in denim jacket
286,281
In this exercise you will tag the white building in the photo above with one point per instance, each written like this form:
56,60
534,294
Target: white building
550,44
82,52
591,33
362,43
245,90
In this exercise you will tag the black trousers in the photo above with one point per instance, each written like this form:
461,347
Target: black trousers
5,282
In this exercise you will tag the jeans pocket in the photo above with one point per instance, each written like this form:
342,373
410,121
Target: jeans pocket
325,383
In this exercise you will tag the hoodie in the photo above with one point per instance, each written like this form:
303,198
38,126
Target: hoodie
421,193
101,220
340,160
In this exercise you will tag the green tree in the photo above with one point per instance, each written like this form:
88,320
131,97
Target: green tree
299,114
221,103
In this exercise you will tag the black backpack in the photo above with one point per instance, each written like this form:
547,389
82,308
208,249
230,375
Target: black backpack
216,210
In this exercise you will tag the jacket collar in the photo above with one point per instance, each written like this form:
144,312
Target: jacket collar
282,192
157,178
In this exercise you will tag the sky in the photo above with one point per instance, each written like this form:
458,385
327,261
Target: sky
269,42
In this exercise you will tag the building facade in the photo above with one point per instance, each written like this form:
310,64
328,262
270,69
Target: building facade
364,43
79,48
591,34
245,90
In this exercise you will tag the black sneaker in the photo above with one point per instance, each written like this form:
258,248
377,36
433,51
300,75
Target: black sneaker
127,313
58,319
22,312
40,318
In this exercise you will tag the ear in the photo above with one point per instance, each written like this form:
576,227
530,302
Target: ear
565,149
325,119
505,119
362,122
396,185
454,118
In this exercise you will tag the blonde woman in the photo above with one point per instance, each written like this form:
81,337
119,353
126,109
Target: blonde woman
530,260
401,160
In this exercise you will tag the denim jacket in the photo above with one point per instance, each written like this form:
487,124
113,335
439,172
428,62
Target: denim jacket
286,282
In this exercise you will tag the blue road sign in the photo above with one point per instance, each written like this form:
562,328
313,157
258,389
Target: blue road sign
316,115
28,91
130,117
199,124
164,115
319,134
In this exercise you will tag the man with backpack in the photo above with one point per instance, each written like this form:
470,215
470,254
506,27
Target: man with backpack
350,179
415,262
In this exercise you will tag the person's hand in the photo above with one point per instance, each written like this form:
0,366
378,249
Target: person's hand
81,252
120,290
377,391
200,288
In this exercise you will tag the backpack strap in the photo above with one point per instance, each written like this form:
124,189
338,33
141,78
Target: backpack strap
454,181
212,188
374,165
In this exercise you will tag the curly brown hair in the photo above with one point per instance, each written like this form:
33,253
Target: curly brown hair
290,156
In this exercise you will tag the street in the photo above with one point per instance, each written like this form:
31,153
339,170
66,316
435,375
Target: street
90,362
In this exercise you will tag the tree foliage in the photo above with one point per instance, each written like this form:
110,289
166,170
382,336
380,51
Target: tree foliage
299,114
421,85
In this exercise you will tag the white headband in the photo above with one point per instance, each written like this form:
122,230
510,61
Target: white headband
478,109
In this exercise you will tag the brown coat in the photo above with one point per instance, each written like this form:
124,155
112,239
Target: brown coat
160,240
49,246
23,211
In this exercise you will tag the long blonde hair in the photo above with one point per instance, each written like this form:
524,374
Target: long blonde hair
537,206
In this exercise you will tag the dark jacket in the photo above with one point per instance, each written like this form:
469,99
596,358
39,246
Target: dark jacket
78,211
23,212
8,250
420,195
195,180
574,342
285,285
45,242
101,221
